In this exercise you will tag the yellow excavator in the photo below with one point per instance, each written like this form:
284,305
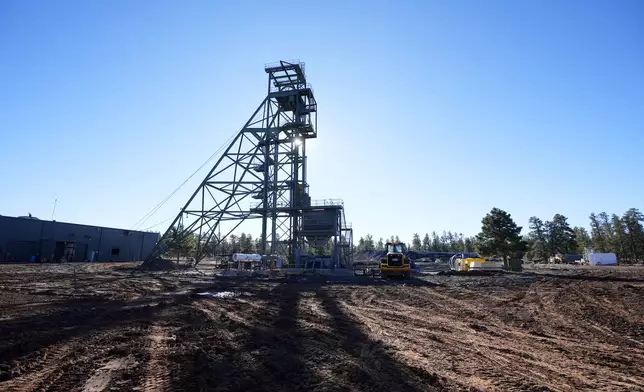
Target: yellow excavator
395,263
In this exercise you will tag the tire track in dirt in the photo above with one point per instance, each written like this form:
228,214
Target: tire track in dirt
47,367
65,368
487,339
102,377
458,341
157,374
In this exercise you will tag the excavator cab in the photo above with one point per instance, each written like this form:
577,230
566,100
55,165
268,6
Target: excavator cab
395,263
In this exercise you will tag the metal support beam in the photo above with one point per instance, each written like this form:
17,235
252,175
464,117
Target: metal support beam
273,140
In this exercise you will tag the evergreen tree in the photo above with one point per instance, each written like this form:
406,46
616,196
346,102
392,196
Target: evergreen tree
368,243
415,243
232,243
242,243
361,244
426,243
224,247
451,242
178,243
561,238
583,239
499,235
607,230
598,237
380,245
537,239
469,244
619,243
460,243
436,243
633,219
444,247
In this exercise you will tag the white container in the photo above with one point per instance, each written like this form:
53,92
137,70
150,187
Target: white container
247,257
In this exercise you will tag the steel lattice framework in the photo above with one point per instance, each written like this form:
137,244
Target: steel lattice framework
261,175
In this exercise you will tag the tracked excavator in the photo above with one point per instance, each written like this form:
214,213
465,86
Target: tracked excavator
395,263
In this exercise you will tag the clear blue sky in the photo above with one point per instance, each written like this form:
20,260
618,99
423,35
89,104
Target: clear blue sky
430,112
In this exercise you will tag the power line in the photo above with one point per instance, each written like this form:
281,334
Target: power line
147,216
160,223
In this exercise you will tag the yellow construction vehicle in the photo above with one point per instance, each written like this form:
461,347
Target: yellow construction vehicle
471,261
395,263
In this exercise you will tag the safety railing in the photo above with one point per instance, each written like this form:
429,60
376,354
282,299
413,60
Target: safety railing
327,202
314,203
279,64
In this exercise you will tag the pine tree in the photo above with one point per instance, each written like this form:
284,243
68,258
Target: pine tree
561,238
596,231
368,243
426,243
224,247
234,243
242,243
460,243
469,244
499,235
582,238
620,241
633,219
380,245
607,230
178,243
444,242
415,243
538,242
436,243
451,242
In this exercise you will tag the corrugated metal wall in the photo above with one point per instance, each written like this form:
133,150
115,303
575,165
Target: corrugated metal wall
23,240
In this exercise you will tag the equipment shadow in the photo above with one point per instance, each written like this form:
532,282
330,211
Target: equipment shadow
281,351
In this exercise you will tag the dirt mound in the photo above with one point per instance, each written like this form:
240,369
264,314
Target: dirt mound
159,265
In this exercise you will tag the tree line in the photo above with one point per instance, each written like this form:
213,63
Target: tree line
501,236
622,235
447,242
181,245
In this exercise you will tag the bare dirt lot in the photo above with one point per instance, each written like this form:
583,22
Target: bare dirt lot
99,328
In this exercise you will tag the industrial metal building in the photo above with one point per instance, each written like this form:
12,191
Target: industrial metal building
28,239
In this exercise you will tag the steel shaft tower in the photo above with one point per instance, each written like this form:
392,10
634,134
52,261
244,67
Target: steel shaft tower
261,175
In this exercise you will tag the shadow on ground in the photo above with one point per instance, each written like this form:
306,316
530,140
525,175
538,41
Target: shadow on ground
284,349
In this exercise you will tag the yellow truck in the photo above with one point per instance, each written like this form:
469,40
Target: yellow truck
395,263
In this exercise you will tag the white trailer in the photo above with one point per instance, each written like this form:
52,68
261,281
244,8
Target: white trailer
602,259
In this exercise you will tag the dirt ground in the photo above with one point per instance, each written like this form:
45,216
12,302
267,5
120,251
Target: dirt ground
97,327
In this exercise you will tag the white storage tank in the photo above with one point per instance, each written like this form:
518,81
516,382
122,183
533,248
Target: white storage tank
247,257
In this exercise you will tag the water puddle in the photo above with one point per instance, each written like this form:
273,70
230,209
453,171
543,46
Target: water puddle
219,294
